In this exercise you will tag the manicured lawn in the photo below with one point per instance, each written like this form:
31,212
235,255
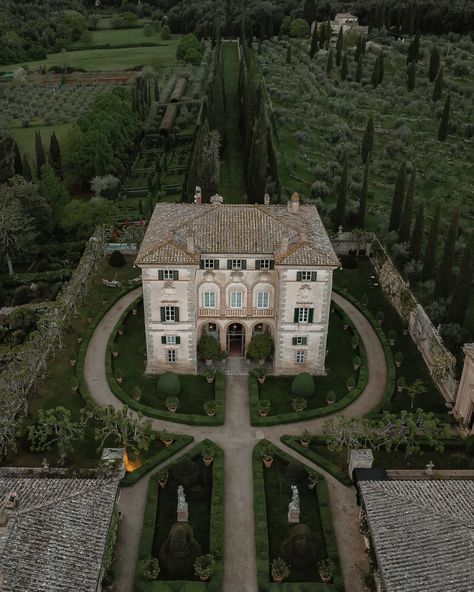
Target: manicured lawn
360,282
25,137
119,37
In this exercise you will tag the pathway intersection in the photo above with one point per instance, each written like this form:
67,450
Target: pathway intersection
237,438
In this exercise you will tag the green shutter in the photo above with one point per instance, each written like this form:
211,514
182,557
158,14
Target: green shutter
176,313
229,263
272,264
295,316
298,276
257,264
310,315
314,276
201,264
178,340
304,341
162,313
176,274
244,264
293,341
160,274
163,339
216,263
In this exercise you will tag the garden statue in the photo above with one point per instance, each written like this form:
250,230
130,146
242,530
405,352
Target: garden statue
429,468
179,551
182,509
294,506
298,550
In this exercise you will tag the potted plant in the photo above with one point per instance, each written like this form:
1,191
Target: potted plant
346,323
401,384
392,335
305,439
356,362
398,359
208,348
279,569
204,566
79,339
115,350
118,375
331,397
298,404
326,570
136,393
364,300
350,383
263,407
210,375
172,404
210,407
313,478
208,453
380,317
74,384
166,437
355,342
149,568
163,478
120,330
73,358
260,347
260,373
134,311
267,452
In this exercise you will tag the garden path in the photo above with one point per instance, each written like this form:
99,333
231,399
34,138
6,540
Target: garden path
237,438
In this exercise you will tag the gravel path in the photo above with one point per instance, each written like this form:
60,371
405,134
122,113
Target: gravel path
238,438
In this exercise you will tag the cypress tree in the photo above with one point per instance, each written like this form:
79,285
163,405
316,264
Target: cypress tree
381,66
314,41
398,200
444,277
18,164
438,86
288,55
339,44
363,197
462,288
55,155
27,174
411,76
344,66
156,90
417,235
376,72
414,49
429,259
39,150
328,33
358,74
257,163
444,123
329,63
342,195
434,64
309,11
367,145
358,49
322,35
405,225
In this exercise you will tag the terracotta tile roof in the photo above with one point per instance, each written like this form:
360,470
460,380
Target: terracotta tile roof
55,539
423,533
237,229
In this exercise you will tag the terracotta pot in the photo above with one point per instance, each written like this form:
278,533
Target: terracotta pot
119,380
209,362
79,339
167,443
207,460
134,312
72,362
115,354
391,341
326,579
356,366
210,380
277,578
311,484
263,412
398,364
267,461
330,402
75,388
211,413
204,578
399,389
304,444
261,380
172,409
162,484
120,332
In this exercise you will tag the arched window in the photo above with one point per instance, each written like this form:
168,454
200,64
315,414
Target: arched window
209,295
263,296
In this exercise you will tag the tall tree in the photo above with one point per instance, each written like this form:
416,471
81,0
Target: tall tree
416,241
444,277
27,173
360,47
309,11
208,163
376,71
51,188
358,74
381,59
258,157
344,66
314,41
367,145
438,86
329,63
405,224
444,123
429,260
398,199
7,156
411,76
363,197
434,64
55,155
18,163
40,156
121,426
414,49
288,55
16,228
340,213
339,44
462,288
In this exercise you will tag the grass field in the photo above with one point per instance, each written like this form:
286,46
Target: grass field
119,37
25,137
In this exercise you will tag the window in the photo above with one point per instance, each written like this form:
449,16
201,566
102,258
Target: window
170,340
303,315
168,274
171,353
263,299
236,264
300,340
236,299
306,276
169,314
209,300
209,263
300,356
264,264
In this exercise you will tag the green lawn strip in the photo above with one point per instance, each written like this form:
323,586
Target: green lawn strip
195,390
271,525
115,37
206,516
231,181
277,389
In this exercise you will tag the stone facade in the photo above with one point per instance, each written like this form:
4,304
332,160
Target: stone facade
464,407
232,271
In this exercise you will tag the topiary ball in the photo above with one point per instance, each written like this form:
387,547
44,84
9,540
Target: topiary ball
295,474
116,259
303,385
185,472
169,385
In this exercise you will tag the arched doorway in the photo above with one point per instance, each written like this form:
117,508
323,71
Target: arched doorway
211,329
235,340
261,328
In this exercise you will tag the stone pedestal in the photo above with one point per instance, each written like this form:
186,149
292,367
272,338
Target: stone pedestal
182,514
360,459
293,517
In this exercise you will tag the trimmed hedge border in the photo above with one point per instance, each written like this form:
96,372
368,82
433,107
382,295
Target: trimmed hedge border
216,539
261,533
182,418
293,417
180,441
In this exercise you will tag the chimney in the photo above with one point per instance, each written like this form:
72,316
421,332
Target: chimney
266,199
190,241
197,195
11,500
294,203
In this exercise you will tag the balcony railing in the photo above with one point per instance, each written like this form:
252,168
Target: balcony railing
236,312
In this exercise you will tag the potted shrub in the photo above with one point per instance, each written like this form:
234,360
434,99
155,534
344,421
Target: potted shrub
79,339
208,453
208,348
350,383
136,393
264,407
166,438
204,566
149,568
298,404
356,362
163,478
380,317
280,570
120,330
326,570
260,347
392,336
331,397
401,384
172,404
313,478
346,323
115,350
267,452
134,311
305,439
118,375
260,373
210,407
398,359
364,300
210,375
74,384
73,358
355,342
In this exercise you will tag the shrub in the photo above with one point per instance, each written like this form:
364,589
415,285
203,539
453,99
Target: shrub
165,33
116,259
204,566
22,295
169,384
172,403
148,30
208,348
299,28
136,393
149,568
192,56
260,346
298,404
303,385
